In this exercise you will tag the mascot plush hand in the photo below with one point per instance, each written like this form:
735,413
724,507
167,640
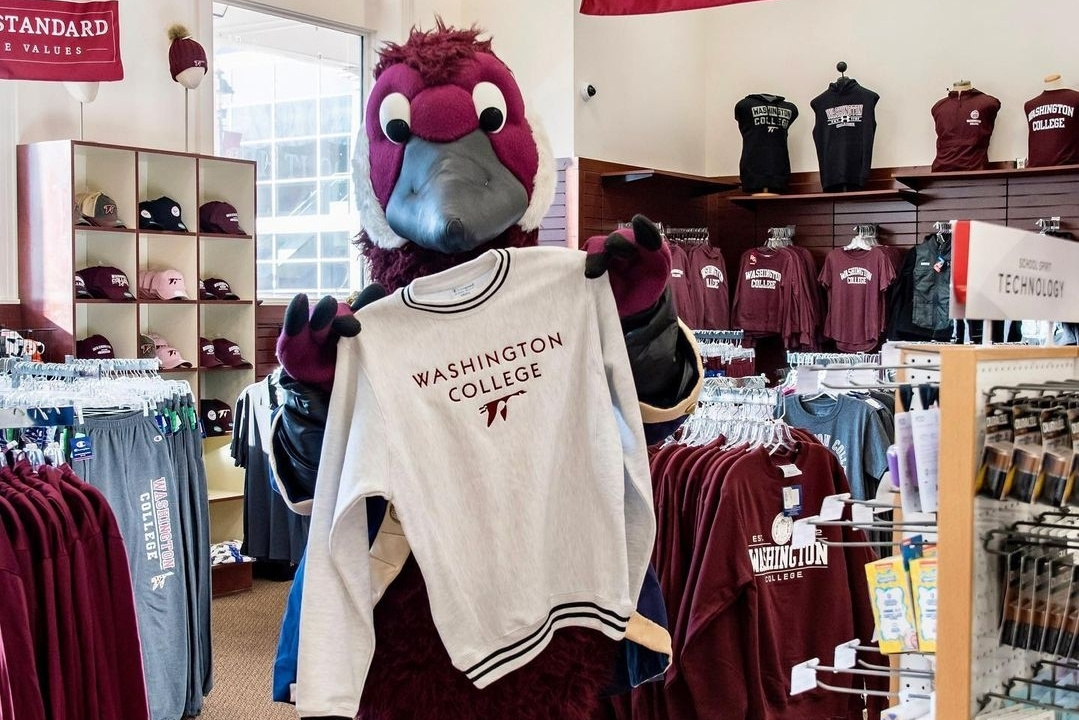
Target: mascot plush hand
448,166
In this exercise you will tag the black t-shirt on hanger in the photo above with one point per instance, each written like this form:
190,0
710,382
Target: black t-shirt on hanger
764,120
846,123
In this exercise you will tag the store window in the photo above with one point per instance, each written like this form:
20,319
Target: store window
289,95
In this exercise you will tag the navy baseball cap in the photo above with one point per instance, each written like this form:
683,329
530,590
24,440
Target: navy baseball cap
161,214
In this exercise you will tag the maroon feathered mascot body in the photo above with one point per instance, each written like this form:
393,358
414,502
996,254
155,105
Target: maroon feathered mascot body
446,138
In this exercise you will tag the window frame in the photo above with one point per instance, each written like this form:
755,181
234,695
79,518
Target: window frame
271,185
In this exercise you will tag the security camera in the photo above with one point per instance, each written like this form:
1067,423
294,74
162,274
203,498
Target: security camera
588,92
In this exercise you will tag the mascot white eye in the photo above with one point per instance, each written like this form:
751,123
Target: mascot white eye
490,106
395,117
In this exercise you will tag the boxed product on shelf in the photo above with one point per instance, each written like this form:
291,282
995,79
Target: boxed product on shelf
893,610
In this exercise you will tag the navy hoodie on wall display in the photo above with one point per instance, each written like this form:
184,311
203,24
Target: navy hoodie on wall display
763,121
845,125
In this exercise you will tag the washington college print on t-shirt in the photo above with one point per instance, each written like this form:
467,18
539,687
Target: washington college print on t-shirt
1053,128
764,121
846,123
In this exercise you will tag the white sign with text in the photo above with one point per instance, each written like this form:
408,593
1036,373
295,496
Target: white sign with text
1002,273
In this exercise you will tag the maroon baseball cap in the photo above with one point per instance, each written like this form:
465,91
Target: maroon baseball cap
218,216
106,283
95,347
216,416
229,353
207,358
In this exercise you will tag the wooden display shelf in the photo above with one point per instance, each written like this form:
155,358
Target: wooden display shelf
919,178
150,301
694,184
178,370
173,233
225,368
754,201
223,495
225,236
104,301
226,302
96,229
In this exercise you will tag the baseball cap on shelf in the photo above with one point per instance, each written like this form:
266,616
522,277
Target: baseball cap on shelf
204,292
229,353
161,214
80,288
207,358
216,416
168,284
219,289
94,347
147,347
218,216
79,219
169,356
105,282
98,209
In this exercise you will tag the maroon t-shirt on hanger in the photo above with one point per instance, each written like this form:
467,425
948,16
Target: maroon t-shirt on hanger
856,281
1053,129
708,271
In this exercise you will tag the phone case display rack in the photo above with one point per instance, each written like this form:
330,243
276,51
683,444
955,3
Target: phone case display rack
52,247
970,662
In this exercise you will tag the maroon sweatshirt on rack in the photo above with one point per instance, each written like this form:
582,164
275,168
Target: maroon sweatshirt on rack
17,650
49,642
708,271
747,626
681,286
766,289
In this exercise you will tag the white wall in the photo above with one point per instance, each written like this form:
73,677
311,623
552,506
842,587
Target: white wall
145,108
908,51
651,75
535,39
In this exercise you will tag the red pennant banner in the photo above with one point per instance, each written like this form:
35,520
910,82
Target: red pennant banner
648,7
57,40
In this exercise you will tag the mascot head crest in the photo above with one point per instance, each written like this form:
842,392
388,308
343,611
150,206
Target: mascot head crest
448,164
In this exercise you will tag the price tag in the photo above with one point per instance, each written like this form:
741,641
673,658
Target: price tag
792,501
804,534
82,448
862,514
790,471
845,655
832,507
804,676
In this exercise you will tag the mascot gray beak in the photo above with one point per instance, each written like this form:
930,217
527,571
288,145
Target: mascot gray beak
453,197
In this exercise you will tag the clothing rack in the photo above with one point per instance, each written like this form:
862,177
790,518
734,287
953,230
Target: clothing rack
687,236
1048,225
797,359
780,236
724,335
